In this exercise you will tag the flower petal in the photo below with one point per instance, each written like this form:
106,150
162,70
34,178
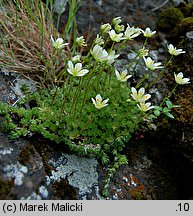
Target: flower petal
105,105
106,100
141,92
59,41
69,71
134,91
93,100
146,97
148,104
98,98
78,67
70,65
180,75
117,74
82,72
124,72
52,39
128,76
186,80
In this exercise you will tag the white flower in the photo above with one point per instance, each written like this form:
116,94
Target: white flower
99,53
105,28
115,37
98,102
77,69
123,77
148,32
76,58
143,52
174,51
81,41
180,80
131,32
145,106
99,40
150,64
111,57
58,43
139,96
116,20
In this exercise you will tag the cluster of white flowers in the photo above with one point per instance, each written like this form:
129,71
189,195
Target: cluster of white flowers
118,33
141,98
102,55
179,78
99,53
116,37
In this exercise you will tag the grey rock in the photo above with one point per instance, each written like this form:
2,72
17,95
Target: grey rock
26,177
81,173
19,83
60,6
16,171
29,176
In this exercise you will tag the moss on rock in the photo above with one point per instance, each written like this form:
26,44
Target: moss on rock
169,19
187,9
185,25
5,188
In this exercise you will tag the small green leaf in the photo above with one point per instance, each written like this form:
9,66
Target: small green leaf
169,104
169,115
166,110
176,106
157,112
151,116
158,108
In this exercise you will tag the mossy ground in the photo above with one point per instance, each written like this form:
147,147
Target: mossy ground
5,189
176,21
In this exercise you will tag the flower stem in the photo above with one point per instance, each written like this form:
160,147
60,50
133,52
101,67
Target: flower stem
77,95
67,95
169,95
169,61
131,63
87,123
142,80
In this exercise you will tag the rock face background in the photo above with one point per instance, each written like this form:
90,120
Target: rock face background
94,12
160,162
